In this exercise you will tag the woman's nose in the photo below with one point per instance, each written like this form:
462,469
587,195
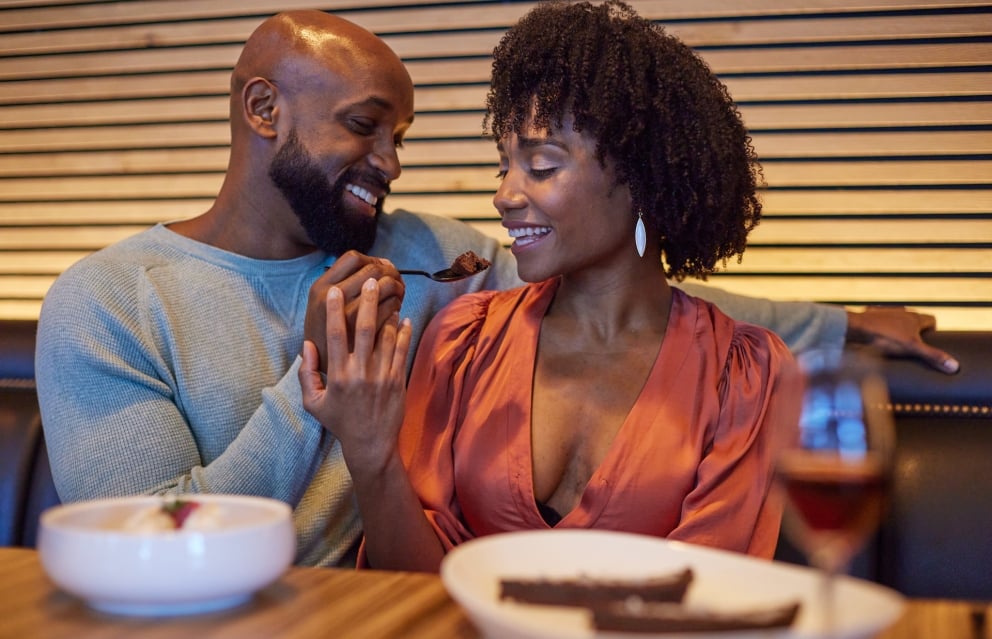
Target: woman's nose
508,196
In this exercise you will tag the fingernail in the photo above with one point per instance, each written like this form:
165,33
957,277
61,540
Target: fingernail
334,293
369,284
951,365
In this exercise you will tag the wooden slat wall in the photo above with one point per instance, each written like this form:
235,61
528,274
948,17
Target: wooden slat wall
873,119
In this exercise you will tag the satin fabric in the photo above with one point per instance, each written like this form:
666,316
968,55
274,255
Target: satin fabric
693,461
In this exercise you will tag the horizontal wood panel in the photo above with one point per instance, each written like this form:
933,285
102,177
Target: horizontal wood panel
757,259
71,238
137,11
706,33
866,289
776,88
775,203
482,151
37,262
771,232
919,232
813,115
877,202
20,309
482,179
479,206
140,11
863,290
120,137
799,58
873,120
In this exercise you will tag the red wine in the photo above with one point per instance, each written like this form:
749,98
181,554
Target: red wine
835,501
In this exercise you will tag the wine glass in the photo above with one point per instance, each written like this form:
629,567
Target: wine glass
835,475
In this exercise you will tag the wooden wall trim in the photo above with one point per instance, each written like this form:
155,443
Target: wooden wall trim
873,120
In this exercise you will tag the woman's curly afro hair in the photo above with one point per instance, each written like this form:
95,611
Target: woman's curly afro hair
654,108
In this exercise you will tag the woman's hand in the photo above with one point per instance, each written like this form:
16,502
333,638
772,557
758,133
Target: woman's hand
361,401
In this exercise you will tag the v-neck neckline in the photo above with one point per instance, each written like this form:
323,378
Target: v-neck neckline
653,394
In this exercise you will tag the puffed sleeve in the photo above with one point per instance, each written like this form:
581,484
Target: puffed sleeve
733,504
434,402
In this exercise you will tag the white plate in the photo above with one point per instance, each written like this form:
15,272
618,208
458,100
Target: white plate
723,581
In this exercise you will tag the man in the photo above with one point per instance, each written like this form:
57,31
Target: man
167,363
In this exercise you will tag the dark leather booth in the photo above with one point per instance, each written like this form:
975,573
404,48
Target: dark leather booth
25,479
936,541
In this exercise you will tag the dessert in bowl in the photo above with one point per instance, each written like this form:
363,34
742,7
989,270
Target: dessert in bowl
154,555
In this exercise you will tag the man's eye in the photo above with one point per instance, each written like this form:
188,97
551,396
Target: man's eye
362,127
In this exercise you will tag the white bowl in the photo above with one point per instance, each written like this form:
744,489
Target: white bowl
87,550
724,581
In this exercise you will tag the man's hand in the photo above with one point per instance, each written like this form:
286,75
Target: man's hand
897,332
348,274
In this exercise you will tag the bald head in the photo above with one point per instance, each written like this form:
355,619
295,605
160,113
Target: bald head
293,48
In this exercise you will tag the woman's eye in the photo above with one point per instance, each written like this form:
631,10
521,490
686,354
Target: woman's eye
542,173
501,174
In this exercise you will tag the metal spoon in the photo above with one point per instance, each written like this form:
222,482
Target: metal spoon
444,275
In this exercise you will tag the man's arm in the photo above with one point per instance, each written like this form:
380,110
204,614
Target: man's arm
804,326
126,410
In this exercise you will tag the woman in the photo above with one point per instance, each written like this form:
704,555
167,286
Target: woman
596,396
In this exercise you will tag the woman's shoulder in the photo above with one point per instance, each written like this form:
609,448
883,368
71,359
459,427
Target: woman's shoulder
739,345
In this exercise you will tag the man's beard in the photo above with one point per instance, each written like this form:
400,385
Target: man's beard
319,204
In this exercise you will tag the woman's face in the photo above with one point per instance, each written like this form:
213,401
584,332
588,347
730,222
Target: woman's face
561,207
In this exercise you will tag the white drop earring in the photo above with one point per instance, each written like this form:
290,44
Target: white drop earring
640,235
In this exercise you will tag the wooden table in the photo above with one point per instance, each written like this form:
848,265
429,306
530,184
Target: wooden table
324,602
304,603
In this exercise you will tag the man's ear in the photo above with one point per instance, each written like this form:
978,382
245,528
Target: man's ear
260,109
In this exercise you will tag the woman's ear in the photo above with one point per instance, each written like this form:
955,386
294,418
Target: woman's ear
260,108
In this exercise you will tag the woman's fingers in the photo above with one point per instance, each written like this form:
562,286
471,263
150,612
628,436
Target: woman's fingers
336,331
366,327
377,352
309,373
401,350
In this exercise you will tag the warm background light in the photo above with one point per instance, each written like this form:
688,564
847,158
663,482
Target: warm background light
873,119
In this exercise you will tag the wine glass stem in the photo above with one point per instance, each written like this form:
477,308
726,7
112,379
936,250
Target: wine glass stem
827,598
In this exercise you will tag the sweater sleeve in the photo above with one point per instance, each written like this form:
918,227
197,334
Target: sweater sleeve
801,325
118,418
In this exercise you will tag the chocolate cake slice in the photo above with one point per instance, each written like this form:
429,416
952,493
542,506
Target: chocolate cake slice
468,263
591,592
636,616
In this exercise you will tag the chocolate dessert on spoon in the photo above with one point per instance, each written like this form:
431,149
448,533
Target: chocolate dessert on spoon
465,265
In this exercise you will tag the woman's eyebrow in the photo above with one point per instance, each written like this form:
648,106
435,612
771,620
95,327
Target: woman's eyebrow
531,142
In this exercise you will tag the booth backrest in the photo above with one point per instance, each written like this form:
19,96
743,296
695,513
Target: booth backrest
937,540
26,486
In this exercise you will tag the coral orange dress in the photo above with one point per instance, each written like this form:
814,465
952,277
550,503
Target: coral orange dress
693,460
